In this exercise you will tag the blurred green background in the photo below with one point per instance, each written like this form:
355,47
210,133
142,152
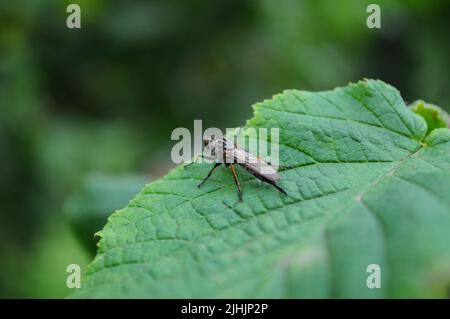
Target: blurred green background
86,114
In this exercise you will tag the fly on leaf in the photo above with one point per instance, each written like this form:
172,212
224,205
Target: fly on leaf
225,152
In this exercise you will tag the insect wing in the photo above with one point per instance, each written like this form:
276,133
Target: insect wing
252,163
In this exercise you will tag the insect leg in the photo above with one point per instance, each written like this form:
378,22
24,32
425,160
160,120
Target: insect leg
209,174
194,160
236,181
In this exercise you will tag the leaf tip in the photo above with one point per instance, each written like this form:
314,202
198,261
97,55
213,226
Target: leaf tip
434,116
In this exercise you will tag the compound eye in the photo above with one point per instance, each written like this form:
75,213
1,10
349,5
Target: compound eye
206,141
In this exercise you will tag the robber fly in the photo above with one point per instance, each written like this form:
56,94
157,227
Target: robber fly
225,152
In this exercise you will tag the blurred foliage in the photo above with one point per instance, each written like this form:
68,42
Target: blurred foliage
88,207
105,98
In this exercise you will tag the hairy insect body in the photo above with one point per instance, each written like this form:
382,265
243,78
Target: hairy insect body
222,151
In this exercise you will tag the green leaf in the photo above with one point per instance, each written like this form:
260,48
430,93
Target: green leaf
433,115
366,186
